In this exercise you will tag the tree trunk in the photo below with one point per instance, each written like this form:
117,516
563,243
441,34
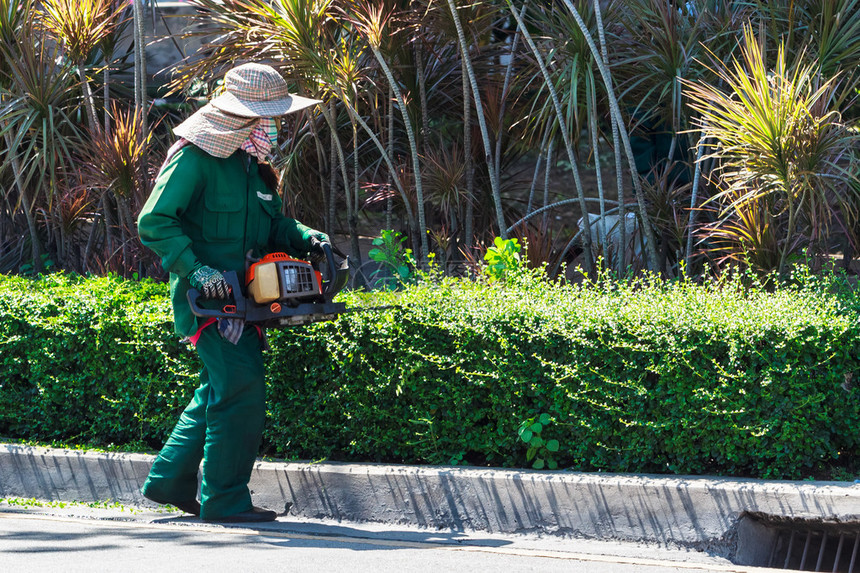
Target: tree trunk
571,155
89,103
389,203
469,225
332,124
413,147
648,231
422,93
550,151
595,142
482,121
107,97
332,179
616,149
505,86
392,175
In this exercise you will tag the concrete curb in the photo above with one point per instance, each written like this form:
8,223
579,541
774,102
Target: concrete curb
689,511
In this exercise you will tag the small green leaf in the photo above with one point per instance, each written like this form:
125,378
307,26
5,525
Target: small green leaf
537,428
526,436
552,445
538,465
545,419
552,464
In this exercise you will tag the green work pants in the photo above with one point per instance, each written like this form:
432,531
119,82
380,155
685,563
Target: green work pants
223,426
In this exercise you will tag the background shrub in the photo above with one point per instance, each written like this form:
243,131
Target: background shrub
639,376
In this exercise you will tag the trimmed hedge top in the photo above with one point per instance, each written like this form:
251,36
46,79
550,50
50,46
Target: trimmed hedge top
638,376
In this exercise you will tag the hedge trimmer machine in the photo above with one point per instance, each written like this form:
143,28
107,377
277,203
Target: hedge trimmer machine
281,291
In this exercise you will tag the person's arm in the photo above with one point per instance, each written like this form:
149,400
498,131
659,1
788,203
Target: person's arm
291,234
159,221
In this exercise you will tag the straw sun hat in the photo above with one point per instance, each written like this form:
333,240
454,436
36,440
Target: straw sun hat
252,91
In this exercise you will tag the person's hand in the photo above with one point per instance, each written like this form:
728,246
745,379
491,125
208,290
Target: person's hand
210,283
319,236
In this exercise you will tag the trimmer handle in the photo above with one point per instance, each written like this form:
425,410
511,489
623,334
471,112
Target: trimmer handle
338,275
234,310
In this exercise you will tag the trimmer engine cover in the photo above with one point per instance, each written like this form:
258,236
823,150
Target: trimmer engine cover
281,291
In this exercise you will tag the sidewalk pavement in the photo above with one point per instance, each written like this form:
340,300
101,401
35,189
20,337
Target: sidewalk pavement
716,515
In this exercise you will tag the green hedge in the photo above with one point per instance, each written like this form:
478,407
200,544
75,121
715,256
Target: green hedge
624,376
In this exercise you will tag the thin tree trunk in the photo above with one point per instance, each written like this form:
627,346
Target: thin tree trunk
595,142
616,148
697,175
651,245
332,200
540,157
107,97
141,78
353,218
123,235
422,93
106,209
562,124
505,87
389,202
97,219
482,121
332,123
318,145
469,225
89,103
413,147
555,205
387,158
550,151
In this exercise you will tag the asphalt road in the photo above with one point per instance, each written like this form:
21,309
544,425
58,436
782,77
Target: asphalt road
86,539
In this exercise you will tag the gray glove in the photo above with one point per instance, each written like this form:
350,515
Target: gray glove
210,283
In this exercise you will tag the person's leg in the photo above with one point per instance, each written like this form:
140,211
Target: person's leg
235,416
173,477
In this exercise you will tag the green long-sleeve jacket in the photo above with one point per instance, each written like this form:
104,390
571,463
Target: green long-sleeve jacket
205,210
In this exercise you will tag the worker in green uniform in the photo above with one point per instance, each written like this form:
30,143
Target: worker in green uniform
215,199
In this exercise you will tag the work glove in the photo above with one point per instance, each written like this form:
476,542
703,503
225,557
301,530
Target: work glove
210,283
231,329
315,237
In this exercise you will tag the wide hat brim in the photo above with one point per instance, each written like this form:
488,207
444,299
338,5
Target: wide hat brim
215,132
229,103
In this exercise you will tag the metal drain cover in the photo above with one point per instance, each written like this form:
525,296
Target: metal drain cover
798,545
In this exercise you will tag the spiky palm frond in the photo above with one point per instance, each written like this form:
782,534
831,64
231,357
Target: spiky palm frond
116,163
750,236
79,25
292,35
777,139
39,110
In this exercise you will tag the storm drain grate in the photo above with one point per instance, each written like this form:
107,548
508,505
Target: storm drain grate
808,546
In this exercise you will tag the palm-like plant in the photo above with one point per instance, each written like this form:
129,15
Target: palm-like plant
38,118
115,166
80,26
776,139
833,36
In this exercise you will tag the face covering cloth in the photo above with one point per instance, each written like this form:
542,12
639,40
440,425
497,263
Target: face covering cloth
261,139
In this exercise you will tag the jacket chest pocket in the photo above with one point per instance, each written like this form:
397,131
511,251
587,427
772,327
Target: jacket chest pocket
224,217
270,209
